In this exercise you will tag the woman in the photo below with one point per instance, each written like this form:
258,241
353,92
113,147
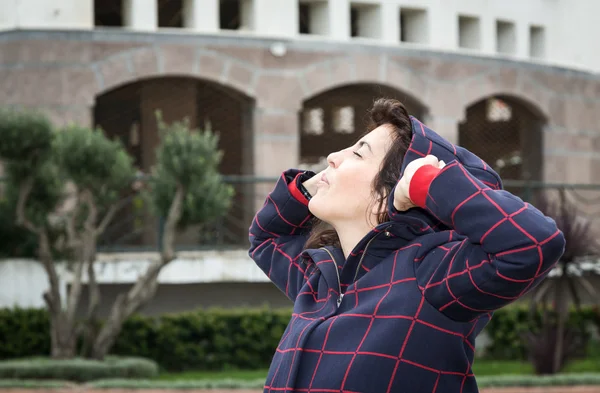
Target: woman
395,257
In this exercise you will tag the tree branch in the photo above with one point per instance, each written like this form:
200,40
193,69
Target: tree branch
94,291
85,254
168,239
24,190
109,215
73,297
90,221
125,306
145,286
72,240
90,326
52,298
47,296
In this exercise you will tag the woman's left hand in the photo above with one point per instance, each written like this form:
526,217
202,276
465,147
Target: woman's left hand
402,201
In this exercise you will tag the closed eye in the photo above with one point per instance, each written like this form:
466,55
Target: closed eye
357,154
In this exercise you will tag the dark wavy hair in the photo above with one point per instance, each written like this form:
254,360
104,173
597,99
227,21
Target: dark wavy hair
384,111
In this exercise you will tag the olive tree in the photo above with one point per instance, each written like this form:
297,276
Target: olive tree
66,184
65,187
184,188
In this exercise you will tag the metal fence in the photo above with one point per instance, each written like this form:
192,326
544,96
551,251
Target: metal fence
507,134
232,230
134,228
137,229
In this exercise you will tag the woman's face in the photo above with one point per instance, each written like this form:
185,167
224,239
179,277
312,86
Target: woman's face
344,194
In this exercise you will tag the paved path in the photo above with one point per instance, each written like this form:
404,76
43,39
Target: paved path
578,389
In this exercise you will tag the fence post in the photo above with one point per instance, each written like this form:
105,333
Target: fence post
161,229
527,192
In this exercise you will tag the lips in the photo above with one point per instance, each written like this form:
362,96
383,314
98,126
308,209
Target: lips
324,179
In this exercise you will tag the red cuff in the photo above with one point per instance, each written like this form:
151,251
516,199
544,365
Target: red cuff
419,184
296,193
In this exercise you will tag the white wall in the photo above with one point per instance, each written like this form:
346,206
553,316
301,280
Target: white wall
574,39
23,282
570,25
46,14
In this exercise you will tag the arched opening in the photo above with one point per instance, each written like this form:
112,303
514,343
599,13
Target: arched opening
336,118
506,132
128,113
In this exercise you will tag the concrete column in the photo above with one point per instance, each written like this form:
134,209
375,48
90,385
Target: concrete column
488,34
276,18
445,126
390,23
9,16
522,43
319,18
276,146
201,15
443,28
140,14
339,19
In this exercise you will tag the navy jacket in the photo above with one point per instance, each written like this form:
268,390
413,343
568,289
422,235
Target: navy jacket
402,312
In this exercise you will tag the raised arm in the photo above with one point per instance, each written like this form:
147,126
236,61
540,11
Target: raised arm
279,231
499,249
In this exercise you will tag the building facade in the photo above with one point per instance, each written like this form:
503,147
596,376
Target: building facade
285,82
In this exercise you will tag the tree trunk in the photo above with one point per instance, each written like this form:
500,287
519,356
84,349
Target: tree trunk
63,330
126,305
562,312
145,287
92,323
63,334
63,337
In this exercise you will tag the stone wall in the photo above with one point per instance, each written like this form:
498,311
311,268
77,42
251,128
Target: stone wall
61,73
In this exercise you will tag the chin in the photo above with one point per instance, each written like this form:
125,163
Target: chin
320,208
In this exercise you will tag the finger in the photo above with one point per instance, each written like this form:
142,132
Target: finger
430,160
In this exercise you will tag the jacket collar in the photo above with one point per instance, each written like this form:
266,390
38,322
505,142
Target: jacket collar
378,244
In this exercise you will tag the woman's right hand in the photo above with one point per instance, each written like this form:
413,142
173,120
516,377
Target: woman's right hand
311,184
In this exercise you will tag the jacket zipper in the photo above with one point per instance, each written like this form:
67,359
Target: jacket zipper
365,251
341,296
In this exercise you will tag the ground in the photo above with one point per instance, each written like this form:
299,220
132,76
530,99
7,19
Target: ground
579,389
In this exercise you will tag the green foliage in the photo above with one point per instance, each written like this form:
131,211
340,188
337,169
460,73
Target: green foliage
17,242
79,370
210,340
257,384
31,149
33,384
94,162
190,159
226,339
26,151
26,137
46,193
501,381
508,324
24,332
579,379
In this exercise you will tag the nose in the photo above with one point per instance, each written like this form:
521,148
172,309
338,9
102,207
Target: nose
333,159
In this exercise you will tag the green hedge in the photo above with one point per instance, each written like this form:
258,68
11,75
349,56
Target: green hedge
78,370
206,340
24,333
503,381
210,340
219,339
507,325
